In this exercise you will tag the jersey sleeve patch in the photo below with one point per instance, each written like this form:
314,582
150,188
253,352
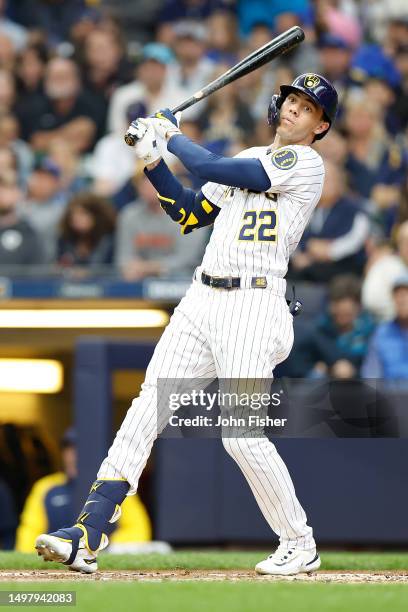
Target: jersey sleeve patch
284,159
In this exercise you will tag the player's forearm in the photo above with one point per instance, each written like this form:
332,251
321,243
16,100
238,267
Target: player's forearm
165,183
246,173
183,205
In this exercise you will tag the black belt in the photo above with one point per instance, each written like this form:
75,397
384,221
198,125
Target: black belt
234,282
231,282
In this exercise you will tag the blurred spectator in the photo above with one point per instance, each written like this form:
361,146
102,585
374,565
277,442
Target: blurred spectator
45,203
331,17
376,165
396,34
335,58
338,342
7,91
111,165
266,11
86,236
222,37
381,15
257,87
138,20
333,243
384,266
333,148
64,111
10,141
19,242
303,58
50,505
8,164
150,92
387,357
105,66
89,20
193,69
30,70
193,131
73,174
147,245
8,517
53,17
8,53
370,61
384,96
174,11
403,207
226,121
378,73
15,32
401,103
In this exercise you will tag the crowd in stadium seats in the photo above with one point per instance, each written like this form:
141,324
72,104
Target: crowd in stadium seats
74,73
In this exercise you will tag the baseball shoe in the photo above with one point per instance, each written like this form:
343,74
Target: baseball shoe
289,561
68,546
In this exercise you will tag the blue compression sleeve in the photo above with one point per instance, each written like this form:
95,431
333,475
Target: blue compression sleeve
246,173
167,184
191,210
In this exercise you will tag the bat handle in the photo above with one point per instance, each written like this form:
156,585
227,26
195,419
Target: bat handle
131,137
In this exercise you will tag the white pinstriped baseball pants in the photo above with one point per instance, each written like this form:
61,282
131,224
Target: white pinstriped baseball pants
241,333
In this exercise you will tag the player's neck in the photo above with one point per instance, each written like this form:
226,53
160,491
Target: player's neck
279,141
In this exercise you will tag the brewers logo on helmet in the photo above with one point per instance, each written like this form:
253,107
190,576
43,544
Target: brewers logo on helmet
311,81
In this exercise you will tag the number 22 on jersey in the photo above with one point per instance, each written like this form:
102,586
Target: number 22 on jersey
260,226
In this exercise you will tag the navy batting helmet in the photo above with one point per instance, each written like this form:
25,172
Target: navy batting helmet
317,88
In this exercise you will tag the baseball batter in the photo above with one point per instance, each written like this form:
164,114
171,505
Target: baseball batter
234,322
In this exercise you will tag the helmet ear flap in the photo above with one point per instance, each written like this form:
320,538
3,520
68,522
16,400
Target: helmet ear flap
274,109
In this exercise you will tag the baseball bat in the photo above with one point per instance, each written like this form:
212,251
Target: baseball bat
272,49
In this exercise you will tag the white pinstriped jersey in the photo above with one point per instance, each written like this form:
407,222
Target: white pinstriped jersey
255,233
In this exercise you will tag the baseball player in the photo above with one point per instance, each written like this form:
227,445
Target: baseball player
234,322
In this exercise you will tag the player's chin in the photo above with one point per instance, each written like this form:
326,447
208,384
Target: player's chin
285,129
287,133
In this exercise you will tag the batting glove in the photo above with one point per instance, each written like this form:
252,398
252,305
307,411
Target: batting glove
165,123
146,142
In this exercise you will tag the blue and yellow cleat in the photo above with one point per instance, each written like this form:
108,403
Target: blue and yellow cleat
68,546
78,546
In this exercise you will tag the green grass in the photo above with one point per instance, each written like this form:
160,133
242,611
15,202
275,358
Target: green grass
228,597
97,595
215,560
